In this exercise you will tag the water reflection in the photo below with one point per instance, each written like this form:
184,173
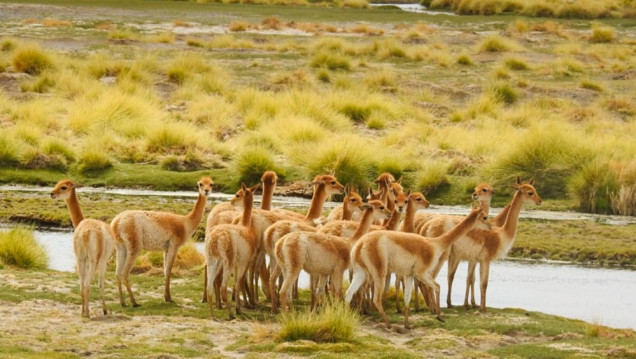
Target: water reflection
592,294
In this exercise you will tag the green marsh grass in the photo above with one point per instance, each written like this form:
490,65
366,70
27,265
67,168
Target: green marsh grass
18,247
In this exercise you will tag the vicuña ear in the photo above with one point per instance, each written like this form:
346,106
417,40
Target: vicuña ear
346,189
255,188
399,181
408,193
364,206
243,186
518,180
531,182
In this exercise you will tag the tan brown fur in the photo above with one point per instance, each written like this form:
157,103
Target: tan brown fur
407,254
136,230
229,250
93,244
349,209
322,256
485,245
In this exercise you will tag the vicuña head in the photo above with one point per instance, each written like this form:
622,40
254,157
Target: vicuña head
63,189
528,191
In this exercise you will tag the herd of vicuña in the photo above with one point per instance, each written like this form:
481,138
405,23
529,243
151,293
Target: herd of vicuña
265,249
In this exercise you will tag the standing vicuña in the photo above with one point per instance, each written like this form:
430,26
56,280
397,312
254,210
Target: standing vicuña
483,245
231,248
136,230
405,254
93,244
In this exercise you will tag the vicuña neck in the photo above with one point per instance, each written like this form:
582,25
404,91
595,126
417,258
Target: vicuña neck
393,222
463,227
268,194
347,211
246,221
365,224
197,213
512,219
74,208
408,225
500,219
317,202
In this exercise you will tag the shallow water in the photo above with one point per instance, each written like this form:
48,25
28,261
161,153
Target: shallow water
420,9
596,295
298,203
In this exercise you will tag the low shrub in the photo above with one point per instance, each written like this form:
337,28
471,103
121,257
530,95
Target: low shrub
18,247
333,323
31,60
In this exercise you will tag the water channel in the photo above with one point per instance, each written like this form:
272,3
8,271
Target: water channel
597,295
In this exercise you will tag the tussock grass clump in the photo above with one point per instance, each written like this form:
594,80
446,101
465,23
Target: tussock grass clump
8,44
354,4
514,63
350,159
31,59
432,177
504,92
171,137
464,60
93,159
239,26
121,35
58,147
591,85
496,43
18,247
383,78
333,323
42,84
331,60
593,186
194,42
550,154
9,150
162,38
252,161
602,34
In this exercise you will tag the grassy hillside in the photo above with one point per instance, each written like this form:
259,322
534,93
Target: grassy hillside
163,89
